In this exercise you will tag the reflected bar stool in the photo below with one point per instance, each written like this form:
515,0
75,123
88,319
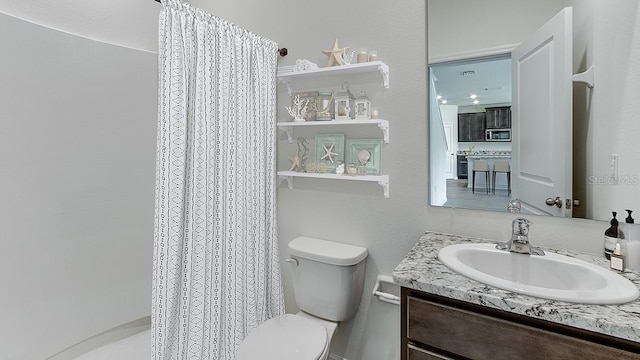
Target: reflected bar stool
502,167
480,166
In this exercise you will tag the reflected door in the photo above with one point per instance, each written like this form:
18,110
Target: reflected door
542,118
450,158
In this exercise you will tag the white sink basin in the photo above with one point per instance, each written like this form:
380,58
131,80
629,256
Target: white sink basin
552,276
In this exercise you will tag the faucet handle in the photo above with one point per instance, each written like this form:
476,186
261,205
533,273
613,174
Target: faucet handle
520,226
514,206
519,242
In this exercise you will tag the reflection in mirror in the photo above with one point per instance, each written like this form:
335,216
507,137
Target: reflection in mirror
605,34
473,98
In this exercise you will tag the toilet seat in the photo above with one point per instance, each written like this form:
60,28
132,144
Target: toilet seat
286,337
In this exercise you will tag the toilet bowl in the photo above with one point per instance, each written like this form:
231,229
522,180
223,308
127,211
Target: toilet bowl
288,337
328,278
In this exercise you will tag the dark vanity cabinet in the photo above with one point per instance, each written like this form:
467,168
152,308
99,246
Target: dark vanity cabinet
498,117
436,327
471,127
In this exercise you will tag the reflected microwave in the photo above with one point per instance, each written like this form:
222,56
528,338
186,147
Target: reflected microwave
497,135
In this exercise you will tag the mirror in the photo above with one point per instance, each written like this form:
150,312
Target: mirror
606,162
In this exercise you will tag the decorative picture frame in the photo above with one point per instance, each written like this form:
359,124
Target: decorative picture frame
312,96
373,146
329,150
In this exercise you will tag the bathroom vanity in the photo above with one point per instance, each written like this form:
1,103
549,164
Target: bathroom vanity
448,316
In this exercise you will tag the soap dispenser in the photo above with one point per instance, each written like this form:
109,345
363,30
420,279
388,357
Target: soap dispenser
611,236
617,259
633,243
628,225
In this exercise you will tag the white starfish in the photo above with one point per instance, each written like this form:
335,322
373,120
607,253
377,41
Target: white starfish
296,162
328,153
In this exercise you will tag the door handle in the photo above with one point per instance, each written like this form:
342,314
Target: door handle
575,203
557,202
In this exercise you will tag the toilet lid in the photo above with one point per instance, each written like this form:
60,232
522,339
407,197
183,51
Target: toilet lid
287,337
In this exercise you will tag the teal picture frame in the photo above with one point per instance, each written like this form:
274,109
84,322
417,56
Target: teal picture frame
373,146
333,144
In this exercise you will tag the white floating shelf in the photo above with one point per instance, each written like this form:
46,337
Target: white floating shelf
382,180
382,124
287,76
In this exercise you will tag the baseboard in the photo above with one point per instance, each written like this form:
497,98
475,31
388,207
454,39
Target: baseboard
107,337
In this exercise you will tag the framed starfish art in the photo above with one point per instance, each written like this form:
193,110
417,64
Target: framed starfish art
330,150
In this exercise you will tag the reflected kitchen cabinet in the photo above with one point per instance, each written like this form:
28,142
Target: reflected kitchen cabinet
471,127
498,117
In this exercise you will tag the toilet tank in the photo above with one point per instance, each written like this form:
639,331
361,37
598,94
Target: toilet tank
327,277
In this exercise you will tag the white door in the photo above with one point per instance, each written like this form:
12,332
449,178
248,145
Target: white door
450,157
542,118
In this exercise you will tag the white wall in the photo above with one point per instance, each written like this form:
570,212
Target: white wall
129,23
77,149
608,37
465,25
359,214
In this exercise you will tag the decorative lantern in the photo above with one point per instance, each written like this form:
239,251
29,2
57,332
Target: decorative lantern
363,106
344,103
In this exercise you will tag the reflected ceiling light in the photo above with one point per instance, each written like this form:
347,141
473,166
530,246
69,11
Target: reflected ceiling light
443,102
473,96
476,102
439,97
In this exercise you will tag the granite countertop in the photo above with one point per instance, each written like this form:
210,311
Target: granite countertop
486,154
421,270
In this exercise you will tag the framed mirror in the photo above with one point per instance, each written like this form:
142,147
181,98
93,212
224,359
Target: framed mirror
605,166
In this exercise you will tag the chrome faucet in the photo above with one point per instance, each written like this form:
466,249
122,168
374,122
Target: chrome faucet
519,242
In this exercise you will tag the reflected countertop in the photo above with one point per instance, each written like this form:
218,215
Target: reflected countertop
421,270
485,154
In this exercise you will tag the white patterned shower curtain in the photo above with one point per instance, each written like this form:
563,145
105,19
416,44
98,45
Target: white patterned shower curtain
216,272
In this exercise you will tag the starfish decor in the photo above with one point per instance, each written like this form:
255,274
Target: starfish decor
296,162
328,153
335,55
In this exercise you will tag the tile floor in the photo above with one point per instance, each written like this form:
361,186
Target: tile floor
460,196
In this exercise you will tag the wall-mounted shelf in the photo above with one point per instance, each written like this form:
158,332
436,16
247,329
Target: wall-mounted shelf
382,180
382,124
334,75
288,77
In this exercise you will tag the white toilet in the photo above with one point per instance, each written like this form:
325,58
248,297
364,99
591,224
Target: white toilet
327,280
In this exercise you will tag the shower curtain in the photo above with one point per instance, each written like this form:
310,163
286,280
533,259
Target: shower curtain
215,269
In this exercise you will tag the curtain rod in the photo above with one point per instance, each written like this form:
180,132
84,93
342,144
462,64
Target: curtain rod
282,51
